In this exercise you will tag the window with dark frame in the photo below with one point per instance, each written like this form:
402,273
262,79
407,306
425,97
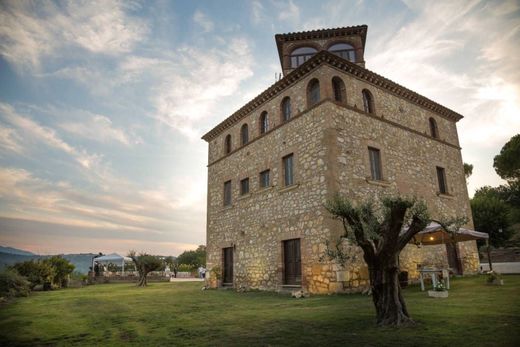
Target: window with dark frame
264,179
301,55
264,122
368,101
286,109
227,144
441,178
313,92
227,193
244,134
375,164
244,186
288,169
434,131
338,88
344,51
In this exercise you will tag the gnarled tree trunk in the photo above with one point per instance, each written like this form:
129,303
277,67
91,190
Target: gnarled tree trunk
386,294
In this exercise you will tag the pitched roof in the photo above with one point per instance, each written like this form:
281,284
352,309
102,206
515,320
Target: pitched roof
325,57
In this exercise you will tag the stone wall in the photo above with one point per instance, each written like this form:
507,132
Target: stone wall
329,142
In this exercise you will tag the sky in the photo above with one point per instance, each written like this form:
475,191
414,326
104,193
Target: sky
103,103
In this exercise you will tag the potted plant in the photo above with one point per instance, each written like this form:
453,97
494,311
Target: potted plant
494,278
439,291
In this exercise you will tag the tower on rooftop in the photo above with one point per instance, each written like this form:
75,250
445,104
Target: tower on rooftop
294,49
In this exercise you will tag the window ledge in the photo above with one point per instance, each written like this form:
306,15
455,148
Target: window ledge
228,207
380,183
289,188
445,196
265,189
245,196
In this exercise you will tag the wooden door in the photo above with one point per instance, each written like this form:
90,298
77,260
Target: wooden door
453,258
228,266
292,262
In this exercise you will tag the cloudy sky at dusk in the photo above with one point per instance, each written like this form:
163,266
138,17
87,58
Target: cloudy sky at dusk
102,104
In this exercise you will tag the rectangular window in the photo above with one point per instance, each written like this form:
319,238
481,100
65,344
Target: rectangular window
375,164
441,178
227,193
244,186
288,169
264,179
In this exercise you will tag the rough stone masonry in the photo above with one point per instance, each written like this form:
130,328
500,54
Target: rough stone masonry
329,142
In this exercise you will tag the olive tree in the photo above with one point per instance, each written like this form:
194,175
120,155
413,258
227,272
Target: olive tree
382,233
145,263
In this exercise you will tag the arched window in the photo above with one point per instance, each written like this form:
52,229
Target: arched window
434,131
368,101
227,144
286,109
344,50
264,122
338,87
301,55
313,92
244,134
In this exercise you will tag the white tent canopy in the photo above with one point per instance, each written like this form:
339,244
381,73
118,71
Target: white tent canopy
434,234
112,258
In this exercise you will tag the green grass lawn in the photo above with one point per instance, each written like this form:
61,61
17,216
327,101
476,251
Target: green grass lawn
180,314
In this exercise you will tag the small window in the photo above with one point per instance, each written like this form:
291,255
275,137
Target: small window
227,144
286,109
368,101
264,179
244,134
264,122
301,55
288,169
338,88
313,92
244,186
441,178
227,193
375,164
344,50
434,131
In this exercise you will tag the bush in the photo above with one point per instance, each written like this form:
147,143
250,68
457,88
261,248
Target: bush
12,284
36,272
62,269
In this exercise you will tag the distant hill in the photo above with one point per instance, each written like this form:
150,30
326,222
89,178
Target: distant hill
10,256
11,250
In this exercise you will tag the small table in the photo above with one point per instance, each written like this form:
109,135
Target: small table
433,273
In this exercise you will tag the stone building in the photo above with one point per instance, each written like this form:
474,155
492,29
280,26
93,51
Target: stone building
329,125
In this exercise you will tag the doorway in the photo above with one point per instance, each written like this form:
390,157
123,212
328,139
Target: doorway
228,266
292,263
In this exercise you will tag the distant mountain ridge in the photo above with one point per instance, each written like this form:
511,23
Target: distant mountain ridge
11,250
10,256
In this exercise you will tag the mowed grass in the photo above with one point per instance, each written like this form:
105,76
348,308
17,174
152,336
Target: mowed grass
180,314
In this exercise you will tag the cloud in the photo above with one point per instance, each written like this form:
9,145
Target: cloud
100,128
190,82
257,12
124,209
29,130
31,31
288,12
10,141
203,20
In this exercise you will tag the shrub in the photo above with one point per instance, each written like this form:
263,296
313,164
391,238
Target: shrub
36,272
12,284
62,269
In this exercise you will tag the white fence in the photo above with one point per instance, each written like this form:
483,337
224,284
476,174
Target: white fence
503,268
